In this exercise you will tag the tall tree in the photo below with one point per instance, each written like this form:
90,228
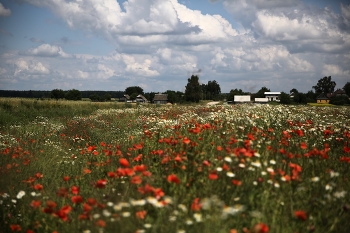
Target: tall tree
134,89
284,98
234,92
347,88
325,85
73,94
57,94
213,88
193,89
260,93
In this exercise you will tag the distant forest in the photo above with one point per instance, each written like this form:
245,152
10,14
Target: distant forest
46,94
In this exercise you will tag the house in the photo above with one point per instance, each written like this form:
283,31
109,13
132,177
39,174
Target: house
339,92
141,99
160,98
322,99
261,100
272,96
125,98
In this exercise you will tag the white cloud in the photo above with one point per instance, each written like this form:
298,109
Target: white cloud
334,70
31,67
4,12
46,50
345,11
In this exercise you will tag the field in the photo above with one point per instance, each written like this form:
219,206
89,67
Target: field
108,167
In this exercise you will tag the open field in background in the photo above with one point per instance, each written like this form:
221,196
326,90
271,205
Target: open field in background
110,167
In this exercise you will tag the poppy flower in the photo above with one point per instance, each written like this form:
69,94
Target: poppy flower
38,187
101,183
35,204
173,179
213,176
300,214
196,206
124,162
15,227
77,199
141,214
75,190
260,228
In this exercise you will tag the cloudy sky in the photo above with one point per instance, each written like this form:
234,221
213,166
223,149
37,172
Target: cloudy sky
159,44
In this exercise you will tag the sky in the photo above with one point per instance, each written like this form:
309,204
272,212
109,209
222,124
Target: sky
110,45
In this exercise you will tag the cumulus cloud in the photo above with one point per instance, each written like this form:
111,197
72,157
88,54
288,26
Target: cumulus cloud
4,12
345,11
46,50
30,67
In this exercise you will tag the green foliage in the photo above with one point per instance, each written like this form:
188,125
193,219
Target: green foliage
325,85
193,89
73,94
174,96
284,98
339,100
134,89
346,88
260,93
57,94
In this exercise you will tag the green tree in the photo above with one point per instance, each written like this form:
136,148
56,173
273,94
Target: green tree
339,100
346,88
94,97
284,98
106,97
261,92
213,88
193,89
57,94
73,94
325,85
134,89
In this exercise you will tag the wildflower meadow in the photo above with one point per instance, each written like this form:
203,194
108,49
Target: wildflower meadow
73,167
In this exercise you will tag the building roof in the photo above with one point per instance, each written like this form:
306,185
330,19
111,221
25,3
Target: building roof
127,96
322,96
160,97
272,93
141,97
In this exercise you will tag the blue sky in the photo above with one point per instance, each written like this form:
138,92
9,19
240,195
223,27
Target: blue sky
158,44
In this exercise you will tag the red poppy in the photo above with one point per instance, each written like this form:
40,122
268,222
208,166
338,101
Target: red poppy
141,214
101,183
236,182
260,228
124,162
196,206
173,178
100,223
66,178
75,190
213,176
300,214
15,227
77,199
186,140
38,187
35,204
140,168
303,146
136,180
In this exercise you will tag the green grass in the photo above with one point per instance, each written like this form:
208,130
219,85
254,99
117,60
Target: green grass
195,168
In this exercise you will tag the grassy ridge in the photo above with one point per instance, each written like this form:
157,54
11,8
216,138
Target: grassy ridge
80,167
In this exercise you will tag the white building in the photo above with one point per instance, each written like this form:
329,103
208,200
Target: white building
261,100
273,96
241,99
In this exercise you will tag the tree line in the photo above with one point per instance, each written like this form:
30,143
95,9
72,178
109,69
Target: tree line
194,92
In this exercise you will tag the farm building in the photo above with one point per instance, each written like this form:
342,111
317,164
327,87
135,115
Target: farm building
261,100
322,99
241,99
141,99
272,96
125,98
160,98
